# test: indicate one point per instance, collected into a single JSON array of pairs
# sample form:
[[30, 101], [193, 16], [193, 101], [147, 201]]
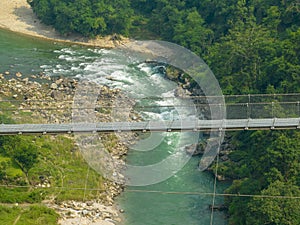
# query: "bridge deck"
[[146, 126]]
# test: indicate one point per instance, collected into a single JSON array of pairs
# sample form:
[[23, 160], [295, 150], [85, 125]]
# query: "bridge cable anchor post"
[[169, 128], [145, 128], [248, 109], [273, 124], [222, 125], [298, 104], [247, 124], [196, 128]]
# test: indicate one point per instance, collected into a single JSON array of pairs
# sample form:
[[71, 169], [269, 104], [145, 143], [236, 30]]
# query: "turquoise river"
[[143, 205]]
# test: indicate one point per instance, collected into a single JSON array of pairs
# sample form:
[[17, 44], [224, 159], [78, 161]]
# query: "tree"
[[275, 210], [164, 19], [119, 20], [26, 156], [191, 32], [21, 151], [266, 163], [242, 57], [238, 207], [86, 17], [44, 10]]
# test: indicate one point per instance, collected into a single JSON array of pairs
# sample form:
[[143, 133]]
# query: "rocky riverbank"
[[41, 99], [187, 89], [86, 213]]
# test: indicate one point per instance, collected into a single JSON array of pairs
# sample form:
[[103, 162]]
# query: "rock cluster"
[[90, 212], [225, 149], [44, 182]]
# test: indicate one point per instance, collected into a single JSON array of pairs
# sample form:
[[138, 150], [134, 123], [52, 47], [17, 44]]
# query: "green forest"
[[252, 46]]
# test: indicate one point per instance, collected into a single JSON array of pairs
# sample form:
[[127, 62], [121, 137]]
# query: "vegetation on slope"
[[42, 167], [87, 17], [34, 214], [43, 161], [265, 163]]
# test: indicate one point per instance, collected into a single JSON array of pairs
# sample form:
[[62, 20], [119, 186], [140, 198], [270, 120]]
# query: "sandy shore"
[[17, 16]]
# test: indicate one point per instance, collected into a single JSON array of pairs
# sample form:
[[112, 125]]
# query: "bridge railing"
[[263, 110], [263, 106], [237, 107], [259, 98]]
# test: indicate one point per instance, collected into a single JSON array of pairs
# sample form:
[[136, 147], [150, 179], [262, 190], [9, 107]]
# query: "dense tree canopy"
[[251, 46], [20, 150], [265, 163], [87, 17]]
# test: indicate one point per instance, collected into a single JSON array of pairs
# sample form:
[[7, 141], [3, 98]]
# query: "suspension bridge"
[[242, 112], [149, 126]]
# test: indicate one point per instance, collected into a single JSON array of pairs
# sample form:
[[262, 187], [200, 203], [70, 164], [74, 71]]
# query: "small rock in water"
[[6, 73], [18, 74]]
